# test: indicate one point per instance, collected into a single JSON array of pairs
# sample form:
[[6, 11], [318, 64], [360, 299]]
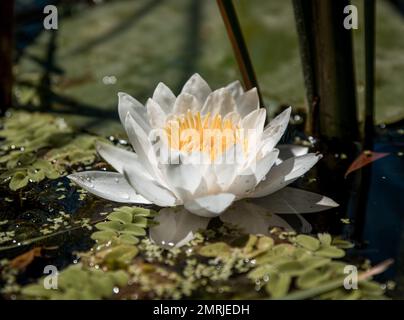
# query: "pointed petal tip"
[[122, 94]]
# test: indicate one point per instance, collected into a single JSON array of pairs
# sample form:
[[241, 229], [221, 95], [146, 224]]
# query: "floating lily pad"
[[308, 242], [278, 285]]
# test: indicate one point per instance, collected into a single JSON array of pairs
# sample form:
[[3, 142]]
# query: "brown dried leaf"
[[364, 159]]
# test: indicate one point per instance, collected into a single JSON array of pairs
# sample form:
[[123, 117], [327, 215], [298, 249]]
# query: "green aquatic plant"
[[124, 225], [76, 282], [244, 266], [38, 146]]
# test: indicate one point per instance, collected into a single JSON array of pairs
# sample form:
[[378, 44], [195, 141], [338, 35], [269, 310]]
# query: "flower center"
[[210, 134]]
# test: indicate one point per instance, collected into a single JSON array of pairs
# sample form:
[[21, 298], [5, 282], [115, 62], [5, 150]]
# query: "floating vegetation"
[[124, 225], [243, 266], [38, 146]]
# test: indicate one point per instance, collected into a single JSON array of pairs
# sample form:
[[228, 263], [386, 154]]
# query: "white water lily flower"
[[201, 179]]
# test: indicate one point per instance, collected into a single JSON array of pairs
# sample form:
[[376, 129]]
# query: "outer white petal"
[[253, 219], [219, 102], [164, 97], [118, 157], [185, 102], [287, 151], [157, 116], [150, 189], [197, 87], [143, 147], [236, 89], [128, 104], [108, 185], [285, 173], [248, 102], [245, 182], [275, 129], [292, 200], [176, 227], [211, 205]]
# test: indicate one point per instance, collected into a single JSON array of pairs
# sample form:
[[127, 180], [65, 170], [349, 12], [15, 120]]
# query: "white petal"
[[285, 173], [108, 185], [176, 227], [248, 102], [144, 149], [150, 189], [186, 102], [246, 181], [128, 104], [142, 145], [118, 157], [236, 89], [225, 166], [287, 151], [253, 219], [197, 87], [275, 129], [211, 205], [184, 176], [255, 120], [292, 200], [253, 125], [164, 97], [234, 117], [219, 102], [157, 116]]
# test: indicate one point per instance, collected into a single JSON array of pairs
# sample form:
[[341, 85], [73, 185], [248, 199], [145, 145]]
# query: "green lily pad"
[[218, 249], [35, 175], [103, 235], [121, 254], [128, 239], [330, 252], [133, 229], [292, 268], [312, 278], [18, 181], [140, 221], [109, 225], [278, 285], [261, 272], [121, 216], [325, 239], [310, 243]]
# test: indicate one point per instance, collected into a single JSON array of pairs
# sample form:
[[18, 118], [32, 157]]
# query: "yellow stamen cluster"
[[211, 134]]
